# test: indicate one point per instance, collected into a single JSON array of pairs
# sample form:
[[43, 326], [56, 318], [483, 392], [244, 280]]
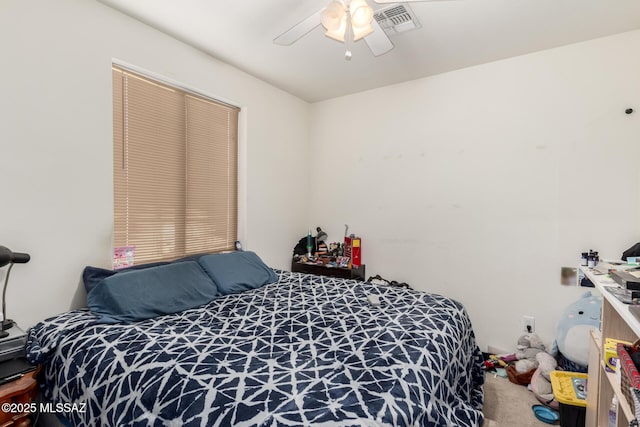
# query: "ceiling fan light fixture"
[[361, 32], [333, 16], [361, 13], [347, 21], [338, 33]]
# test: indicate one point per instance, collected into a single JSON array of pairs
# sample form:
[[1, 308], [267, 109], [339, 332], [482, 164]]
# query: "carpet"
[[507, 404]]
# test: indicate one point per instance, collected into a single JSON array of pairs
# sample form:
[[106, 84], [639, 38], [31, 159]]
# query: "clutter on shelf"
[[589, 259], [315, 250], [633, 252]]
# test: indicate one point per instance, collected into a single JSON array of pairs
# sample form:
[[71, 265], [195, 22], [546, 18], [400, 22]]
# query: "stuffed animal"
[[529, 345], [572, 332], [541, 380]]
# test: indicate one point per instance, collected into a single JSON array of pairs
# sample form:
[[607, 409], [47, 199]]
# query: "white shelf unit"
[[617, 322]]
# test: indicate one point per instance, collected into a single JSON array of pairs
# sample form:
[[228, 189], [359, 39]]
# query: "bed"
[[304, 350]]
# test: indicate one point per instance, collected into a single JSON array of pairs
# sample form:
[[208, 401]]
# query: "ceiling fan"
[[346, 21]]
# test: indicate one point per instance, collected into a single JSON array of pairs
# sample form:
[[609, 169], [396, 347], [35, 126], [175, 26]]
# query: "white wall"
[[481, 183], [478, 183], [56, 143]]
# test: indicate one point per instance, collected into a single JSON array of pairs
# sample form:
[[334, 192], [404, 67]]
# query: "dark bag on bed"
[[631, 252]]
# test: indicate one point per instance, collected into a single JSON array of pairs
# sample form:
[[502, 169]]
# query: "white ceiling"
[[454, 34]]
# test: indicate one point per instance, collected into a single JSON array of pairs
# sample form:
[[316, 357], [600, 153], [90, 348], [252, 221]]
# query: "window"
[[175, 169]]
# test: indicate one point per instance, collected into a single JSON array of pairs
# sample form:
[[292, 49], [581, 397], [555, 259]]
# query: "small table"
[[323, 270]]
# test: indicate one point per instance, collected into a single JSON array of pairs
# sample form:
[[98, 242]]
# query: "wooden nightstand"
[[19, 393], [322, 270]]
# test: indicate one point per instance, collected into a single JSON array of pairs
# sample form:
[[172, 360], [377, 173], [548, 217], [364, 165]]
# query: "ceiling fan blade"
[[378, 41], [297, 31]]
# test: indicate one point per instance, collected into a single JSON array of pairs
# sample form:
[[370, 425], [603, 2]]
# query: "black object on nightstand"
[[14, 369], [323, 270]]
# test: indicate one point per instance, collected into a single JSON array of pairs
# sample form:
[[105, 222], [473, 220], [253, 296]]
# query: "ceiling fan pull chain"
[[348, 33]]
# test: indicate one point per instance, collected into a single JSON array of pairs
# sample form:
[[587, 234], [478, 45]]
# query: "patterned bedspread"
[[307, 350]]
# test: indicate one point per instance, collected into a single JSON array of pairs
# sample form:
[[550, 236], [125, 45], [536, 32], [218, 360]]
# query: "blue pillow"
[[92, 276], [143, 294], [236, 272]]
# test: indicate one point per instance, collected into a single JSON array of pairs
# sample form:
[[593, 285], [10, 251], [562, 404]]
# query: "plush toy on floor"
[[529, 345], [572, 332], [541, 380]]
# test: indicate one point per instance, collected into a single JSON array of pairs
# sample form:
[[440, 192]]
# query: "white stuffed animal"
[[529, 345]]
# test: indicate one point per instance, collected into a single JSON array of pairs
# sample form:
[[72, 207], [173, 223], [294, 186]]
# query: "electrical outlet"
[[528, 324]]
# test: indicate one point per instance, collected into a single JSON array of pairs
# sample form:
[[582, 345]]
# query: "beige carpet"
[[508, 405]]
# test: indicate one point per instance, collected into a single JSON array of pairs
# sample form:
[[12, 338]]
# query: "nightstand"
[[323, 270], [19, 392]]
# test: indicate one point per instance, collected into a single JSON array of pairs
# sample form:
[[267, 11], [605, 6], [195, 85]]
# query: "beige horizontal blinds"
[[211, 187], [175, 170]]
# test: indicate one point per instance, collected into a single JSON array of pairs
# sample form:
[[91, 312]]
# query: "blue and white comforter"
[[307, 350]]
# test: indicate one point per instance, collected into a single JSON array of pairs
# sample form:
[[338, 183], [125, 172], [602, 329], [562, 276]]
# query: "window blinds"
[[175, 170]]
